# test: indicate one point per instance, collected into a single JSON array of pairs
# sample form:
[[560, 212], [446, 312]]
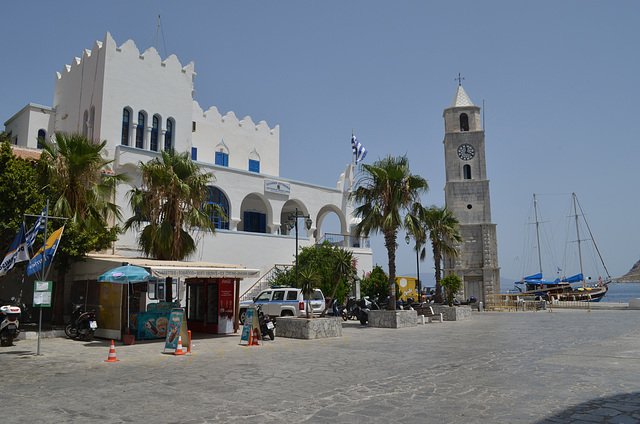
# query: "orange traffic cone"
[[253, 338], [179, 349], [112, 354]]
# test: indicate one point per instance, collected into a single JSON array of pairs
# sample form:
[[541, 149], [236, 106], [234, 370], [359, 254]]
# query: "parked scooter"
[[267, 324], [351, 310], [365, 305], [83, 324], [9, 323]]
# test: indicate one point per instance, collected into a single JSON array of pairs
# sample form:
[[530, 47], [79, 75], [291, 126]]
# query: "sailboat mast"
[[575, 210], [535, 208]]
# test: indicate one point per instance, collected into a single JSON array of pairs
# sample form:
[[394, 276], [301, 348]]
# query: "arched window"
[[85, 123], [466, 171], [222, 154], [254, 161], [154, 133], [168, 136], [126, 117], [42, 135], [464, 122], [140, 131], [217, 197]]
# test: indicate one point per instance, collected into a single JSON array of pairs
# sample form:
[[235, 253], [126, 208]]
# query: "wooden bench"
[[427, 312]]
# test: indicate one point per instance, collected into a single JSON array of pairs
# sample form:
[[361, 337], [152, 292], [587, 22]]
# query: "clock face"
[[466, 152]]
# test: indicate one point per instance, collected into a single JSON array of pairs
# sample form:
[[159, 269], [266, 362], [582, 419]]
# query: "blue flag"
[[17, 252], [46, 253], [359, 152]]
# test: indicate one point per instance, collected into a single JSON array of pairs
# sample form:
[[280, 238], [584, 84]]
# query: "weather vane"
[[459, 79]]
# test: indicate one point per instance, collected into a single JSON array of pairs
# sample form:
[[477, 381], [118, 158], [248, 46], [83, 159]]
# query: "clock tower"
[[467, 196]]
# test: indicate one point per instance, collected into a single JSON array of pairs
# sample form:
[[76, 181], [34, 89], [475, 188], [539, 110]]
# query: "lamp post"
[[292, 222], [418, 285]]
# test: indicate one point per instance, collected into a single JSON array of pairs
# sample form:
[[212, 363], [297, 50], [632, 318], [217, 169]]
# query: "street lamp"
[[292, 222], [418, 285]]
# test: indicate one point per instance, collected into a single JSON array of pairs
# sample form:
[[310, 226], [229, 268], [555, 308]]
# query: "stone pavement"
[[564, 366]]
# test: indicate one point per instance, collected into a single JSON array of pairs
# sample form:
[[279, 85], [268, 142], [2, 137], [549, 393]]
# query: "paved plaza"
[[564, 366]]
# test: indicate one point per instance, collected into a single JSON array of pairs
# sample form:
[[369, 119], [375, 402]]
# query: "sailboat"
[[573, 288]]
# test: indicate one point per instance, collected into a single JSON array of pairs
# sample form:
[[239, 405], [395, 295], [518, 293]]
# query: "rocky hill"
[[633, 276]]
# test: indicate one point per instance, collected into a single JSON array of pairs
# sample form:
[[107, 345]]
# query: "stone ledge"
[[453, 313], [309, 328], [393, 319]]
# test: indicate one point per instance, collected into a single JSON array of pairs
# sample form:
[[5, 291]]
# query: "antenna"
[[158, 32]]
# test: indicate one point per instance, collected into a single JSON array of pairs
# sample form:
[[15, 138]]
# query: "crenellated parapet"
[[212, 117], [129, 49]]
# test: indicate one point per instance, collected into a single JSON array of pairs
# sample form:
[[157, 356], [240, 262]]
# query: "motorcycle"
[[83, 324], [351, 310], [365, 305], [267, 324], [9, 323]]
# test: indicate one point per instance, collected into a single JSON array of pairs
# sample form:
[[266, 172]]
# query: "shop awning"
[[97, 264]]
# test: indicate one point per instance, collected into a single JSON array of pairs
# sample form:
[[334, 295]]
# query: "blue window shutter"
[[247, 221], [263, 223], [222, 159], [254, 165], [194, 153]]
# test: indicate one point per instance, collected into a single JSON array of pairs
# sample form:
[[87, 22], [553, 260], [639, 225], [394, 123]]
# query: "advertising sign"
[[225, 306], [177, 326], [250, 322]]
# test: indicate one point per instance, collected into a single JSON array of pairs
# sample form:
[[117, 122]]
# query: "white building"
[[142, 104]]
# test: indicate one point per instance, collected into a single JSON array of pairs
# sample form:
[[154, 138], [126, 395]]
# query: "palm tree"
[[308, 281], [442, 226], [342, 267], [385, 190], [79, 178], [170, 202], [76, 169]]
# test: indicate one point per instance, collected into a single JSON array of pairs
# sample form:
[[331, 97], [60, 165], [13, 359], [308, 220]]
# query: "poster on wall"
[[177, 327], [225, 306]]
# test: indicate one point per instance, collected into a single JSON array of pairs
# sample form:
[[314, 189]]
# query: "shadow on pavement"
[[623, 408]]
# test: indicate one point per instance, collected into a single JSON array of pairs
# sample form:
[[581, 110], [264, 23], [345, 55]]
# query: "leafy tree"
[[322, 260], [341, 268], [376, 285], [385, 190], [451, 284], [19, 192], [171, 202]]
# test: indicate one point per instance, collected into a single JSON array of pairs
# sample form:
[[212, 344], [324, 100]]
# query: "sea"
[[622, 292]]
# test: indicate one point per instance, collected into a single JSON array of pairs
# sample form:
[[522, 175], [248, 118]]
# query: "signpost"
[[41, 298]]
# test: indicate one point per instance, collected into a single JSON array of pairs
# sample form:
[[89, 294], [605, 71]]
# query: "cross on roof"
[[460, 79]]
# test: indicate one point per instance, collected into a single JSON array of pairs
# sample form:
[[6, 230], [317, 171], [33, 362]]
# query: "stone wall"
[[309, 328], [393, 319]]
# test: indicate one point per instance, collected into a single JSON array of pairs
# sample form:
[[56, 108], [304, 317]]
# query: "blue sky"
[[557, 79]]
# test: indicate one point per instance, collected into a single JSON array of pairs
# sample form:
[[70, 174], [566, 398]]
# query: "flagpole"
[[46, 218]]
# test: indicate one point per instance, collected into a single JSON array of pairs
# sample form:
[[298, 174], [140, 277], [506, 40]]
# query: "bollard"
[[189, 345]]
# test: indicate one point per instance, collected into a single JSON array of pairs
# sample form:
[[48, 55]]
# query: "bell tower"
[[467, 196]]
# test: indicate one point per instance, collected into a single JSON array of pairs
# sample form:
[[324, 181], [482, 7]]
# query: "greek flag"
[[38, 226], [17, 253], [359, 152]]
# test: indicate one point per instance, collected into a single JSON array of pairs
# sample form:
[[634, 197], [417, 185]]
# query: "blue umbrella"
[[125, 275]]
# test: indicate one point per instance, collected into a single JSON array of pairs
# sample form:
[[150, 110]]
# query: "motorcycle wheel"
[[344, 316], [6, 338], [71, 332], [89, 336], [271, 335], [363, 319]]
